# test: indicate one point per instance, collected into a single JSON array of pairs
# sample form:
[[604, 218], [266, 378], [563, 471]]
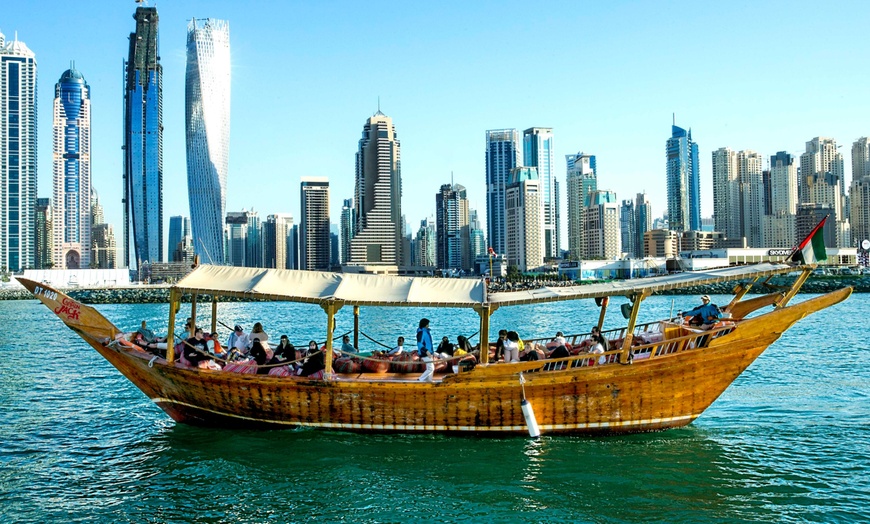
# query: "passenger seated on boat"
[[445, 348], [346, 346], [238, 341], [195, 349], [589, 342], [257, 333], [499, 346], [214, 345], [512, 347], [148, 336], [316, 363], [399, 349], [704, 315], [558, 340], [598, 347], [285, 351], [463, 344], [261, 357]]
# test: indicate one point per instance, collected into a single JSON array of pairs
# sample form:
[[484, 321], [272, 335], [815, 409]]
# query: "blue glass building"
[[207, 133], [71, 227], [684, 183], [502, 155], [143, 142]]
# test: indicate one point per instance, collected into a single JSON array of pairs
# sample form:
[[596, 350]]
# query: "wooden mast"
[[330, 308], [213, 313], [799, 281], [192, 315], [356, 327], [485, 311], [604, 302]]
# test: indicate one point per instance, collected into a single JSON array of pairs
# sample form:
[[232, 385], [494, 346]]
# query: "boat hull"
[[659, 392]]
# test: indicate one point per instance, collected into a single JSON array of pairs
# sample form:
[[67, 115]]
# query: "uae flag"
[[812, 249]]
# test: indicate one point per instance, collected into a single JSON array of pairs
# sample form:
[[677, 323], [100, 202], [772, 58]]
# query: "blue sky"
[[606, 76]]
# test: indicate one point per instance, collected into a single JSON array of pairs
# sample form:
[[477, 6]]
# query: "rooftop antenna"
[[451, 179], [674, 117]]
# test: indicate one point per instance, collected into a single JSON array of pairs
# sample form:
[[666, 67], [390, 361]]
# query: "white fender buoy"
[[529, 415]]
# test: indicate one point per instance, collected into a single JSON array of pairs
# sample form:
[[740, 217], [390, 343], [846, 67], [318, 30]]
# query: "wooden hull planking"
[[663, 391]]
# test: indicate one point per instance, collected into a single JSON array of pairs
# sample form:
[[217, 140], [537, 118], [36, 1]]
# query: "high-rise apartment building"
[[346, 228], [683, 181], [254, 241], [538, 153], [779, 224], [71, 167], [727, 215], [643, 222], [103, 249], [143, 142], [276, 229], [860, 203], [628, 226], [752, 196], [523, 219], [861, 158], [314, 248], [502, 155], [44, 242], [821, 158], [582, 179], [236, 238], [17, 155], [477, 238], [207, 130], [377, 237], [179, 229], [424, 244], [603, 233], [453, 245]]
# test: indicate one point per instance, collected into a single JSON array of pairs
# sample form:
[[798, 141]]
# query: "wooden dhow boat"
[[656, 375]]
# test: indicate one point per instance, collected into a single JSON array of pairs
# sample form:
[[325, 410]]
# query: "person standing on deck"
[[426, 349]]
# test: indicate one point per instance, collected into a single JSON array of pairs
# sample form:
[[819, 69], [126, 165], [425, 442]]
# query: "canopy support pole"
[[213, 313], [356, 327], [192, 315], [805, 274], [330, 308], [485, 311], [174, 299], [632, 320], [604, 303]]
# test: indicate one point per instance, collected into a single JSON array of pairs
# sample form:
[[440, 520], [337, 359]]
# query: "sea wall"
[[160, 294]]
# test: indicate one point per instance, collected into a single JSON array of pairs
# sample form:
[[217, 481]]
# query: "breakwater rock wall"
[[160, 294]]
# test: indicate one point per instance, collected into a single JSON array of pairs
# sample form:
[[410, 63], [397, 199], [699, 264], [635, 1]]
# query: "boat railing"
[[610, 334], [666, 339]]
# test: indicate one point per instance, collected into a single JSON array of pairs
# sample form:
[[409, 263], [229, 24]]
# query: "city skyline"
[[624, 120]]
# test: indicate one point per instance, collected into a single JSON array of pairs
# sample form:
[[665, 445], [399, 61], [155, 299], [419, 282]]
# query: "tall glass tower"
[[17, 155], [71, 229], [538, 153], [207, 128], [143, 142], [684, 182], [377, 238], [502, 155]]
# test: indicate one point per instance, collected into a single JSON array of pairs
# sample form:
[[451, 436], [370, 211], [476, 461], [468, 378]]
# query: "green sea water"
[[789, 441]]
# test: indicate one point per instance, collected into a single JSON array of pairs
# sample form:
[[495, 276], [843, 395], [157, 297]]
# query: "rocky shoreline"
[[160, 294]]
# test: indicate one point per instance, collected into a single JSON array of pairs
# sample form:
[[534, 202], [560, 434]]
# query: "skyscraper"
[[377, 237], [275, 232], [103, 250], [207, 128], [582, 180], [346, 228], [643, 222], [752, 196], [859, 192], [179, 229], [727, 217], [314, 248], [44, 244], [424, 243], [780, 226], [477, 238], [71, 159], [502, 155], [143, 142], [451, 226], [524, 242], [683, 181], [538, 153], [821, 158], [628, 226], [601, 220], [236, 238], [17, 155], [861, 158]]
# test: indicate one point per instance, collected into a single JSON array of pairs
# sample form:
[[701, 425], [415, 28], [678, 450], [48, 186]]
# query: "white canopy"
[[382, 290], [320, 286]]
